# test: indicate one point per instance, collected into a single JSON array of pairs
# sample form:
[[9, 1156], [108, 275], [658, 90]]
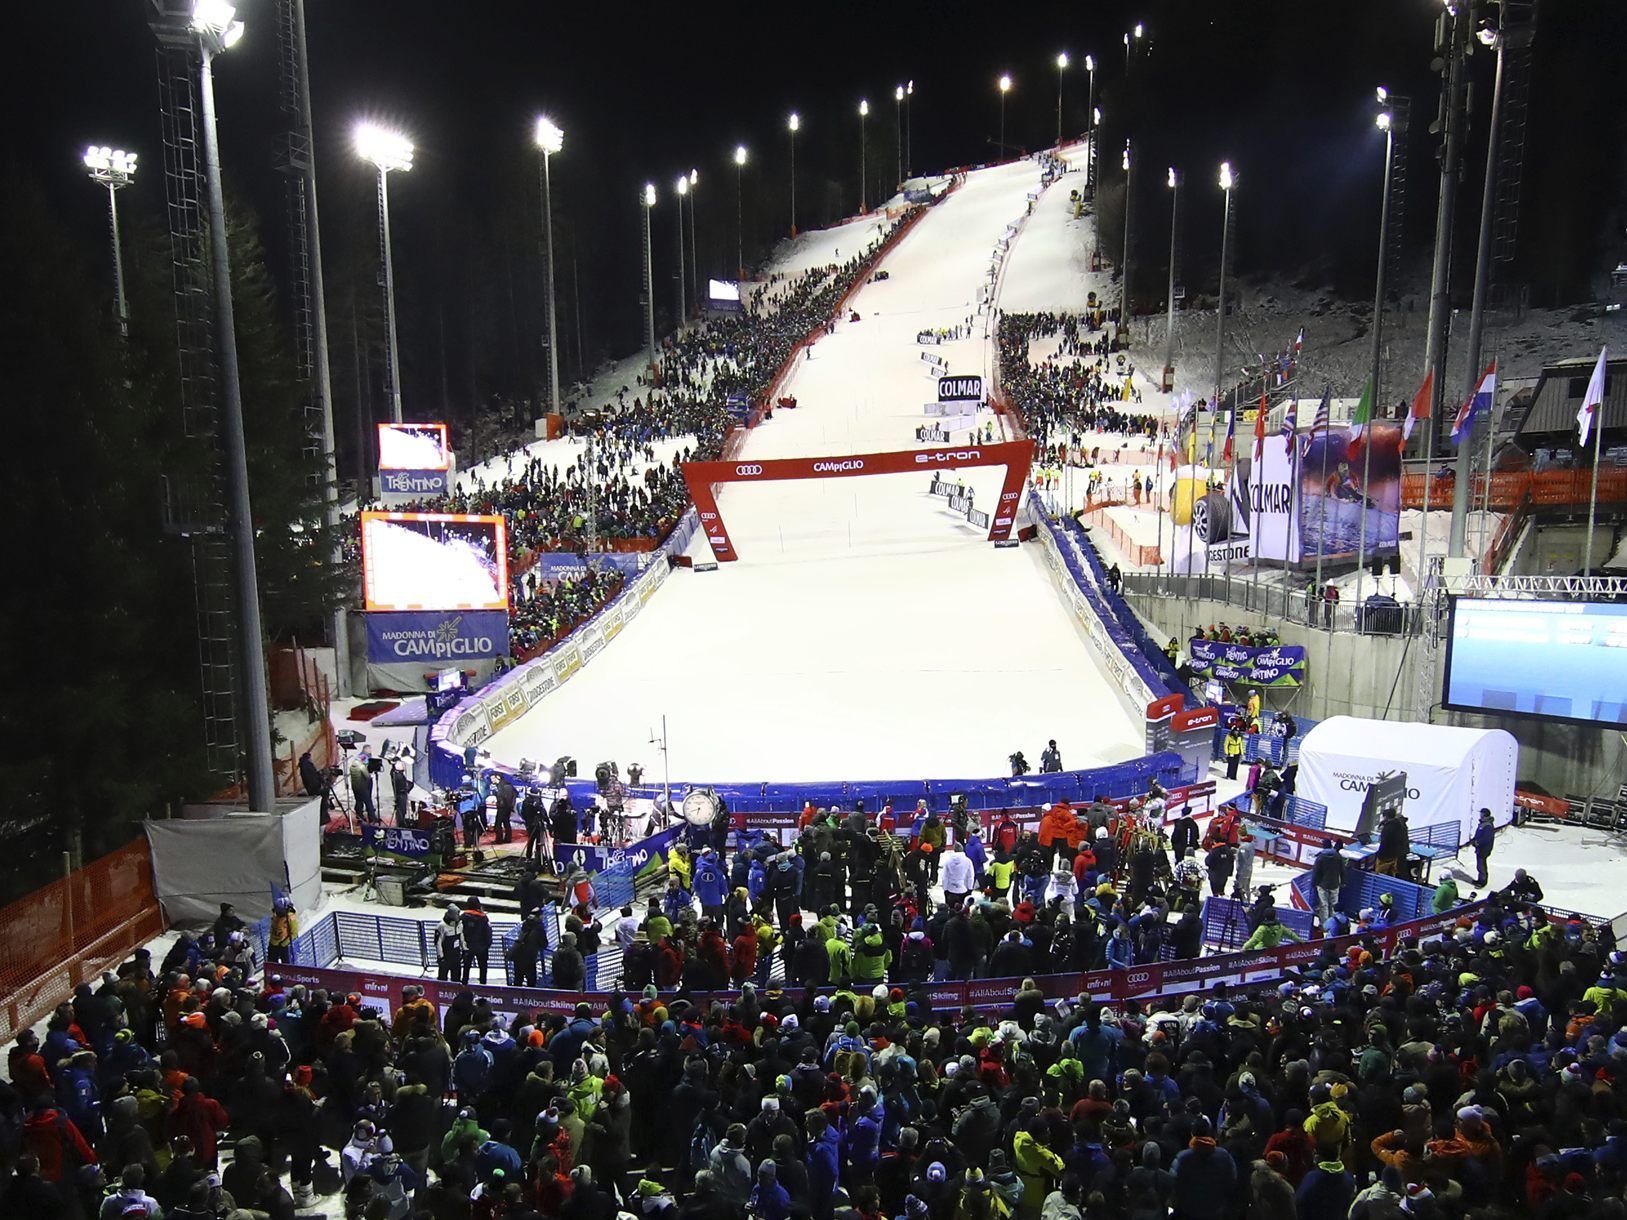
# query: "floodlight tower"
[[115, 169], [550, 139], [388, 151]]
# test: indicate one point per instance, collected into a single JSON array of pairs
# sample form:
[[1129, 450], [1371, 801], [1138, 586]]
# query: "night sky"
[[645, 92]]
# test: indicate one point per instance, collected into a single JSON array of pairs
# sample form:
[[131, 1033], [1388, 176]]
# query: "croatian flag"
[[1587, 415], [1480, 403]]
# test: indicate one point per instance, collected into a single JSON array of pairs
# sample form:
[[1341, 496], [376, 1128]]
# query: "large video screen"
[[413, 447], [723, 291], [434, 561], [1525, 657]]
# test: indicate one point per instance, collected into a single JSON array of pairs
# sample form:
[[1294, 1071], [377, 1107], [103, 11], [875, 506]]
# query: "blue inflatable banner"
[[402, 841], [563, 565], [1278, 665], [436, 636]]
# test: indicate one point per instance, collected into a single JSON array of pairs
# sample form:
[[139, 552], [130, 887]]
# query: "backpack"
[[701, 1142], [916, 958]]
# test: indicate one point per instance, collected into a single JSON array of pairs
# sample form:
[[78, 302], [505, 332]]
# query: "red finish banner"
[[703, 477]]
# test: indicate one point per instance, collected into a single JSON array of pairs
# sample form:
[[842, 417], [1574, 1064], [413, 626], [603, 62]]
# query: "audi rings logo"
[[708, 516], [745, 472], [1137, 977]]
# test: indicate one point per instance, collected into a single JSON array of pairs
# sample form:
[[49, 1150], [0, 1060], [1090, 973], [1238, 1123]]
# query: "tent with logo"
[[1452, 773]]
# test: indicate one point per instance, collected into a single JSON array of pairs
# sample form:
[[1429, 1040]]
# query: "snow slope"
[[866, 632]]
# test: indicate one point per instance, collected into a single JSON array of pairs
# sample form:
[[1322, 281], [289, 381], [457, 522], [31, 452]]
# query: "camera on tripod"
[[564, 768]]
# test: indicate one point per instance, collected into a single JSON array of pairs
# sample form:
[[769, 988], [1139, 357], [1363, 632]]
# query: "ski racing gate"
[[703, 477]]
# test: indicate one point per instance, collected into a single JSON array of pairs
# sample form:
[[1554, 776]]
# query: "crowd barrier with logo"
[[1147, 984]]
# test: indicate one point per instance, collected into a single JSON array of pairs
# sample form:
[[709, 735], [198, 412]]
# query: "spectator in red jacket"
[[200, 1118], [51, 1136]]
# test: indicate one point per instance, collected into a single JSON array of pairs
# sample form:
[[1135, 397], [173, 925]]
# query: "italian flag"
[[1364, 410]]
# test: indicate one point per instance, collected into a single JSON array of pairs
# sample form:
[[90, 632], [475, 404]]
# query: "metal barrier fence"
[[1272, 600]]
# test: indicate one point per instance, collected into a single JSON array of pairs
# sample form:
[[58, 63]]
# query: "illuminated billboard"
[[434, 561], [414, 460]]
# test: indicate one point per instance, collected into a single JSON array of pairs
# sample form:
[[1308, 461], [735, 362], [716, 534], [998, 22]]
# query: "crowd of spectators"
[[707, 379], [1475, 1073], [548, 611]]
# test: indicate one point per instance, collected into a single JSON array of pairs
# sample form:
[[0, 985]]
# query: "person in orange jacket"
[[1059, 830]]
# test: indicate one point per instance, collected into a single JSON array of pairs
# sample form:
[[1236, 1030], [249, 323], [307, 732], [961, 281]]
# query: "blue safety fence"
[[306, 949], [1363, 890], [400, 941], [1130, 778], [1299, 810], [1277, 751], [1151, 652], [1225, 923], [1444, 837]]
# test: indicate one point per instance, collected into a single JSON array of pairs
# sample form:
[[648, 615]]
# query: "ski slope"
[[866, 632]]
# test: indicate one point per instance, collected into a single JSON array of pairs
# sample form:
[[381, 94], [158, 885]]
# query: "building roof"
[[1559, 396]]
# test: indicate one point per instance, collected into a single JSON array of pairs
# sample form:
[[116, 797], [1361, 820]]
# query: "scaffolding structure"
[[194, 505]]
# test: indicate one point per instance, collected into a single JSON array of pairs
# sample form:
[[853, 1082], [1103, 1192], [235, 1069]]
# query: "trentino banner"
[[436, 635]]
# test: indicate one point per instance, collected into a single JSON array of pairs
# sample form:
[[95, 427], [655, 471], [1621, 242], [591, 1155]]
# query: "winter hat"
[[1277, 1160], [935, 1172], [915, 1208]]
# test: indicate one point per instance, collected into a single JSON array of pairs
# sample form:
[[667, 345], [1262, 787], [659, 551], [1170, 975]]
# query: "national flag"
[[1259, 429], [1290, 418], [1364, 410], [1299, 340], [1586, 415], [1481, 401], [1320, 423], [1421, 402], [1231, 431]]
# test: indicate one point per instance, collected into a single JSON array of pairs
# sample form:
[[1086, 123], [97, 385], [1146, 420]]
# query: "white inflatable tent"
[[1452, 773]]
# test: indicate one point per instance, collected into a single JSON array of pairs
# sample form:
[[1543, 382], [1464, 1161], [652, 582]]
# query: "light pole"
[[1124, 265], [909, 123], [898, 129], [550, 139], [682, 187], [739, 208], [1130, 39], [115, 169], [793, 124], [1227, 181], [1385, 122], [1169, 339], [694, 263], [215, 23], [864, 113], [1005, 88], [1061, 67], [648, 200], [1090, 124], [387, 150]]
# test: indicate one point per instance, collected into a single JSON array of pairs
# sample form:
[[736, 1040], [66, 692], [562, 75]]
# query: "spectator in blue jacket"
[[711, 886], [1120, 952], [1327, 1190], [1206, 1177], [824, 1163]]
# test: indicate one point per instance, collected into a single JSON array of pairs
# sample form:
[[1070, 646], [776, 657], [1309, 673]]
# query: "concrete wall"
[[1559, 550], [1354, 675]]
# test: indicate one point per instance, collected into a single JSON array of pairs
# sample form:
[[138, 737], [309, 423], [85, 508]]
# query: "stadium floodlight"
[[388, 150], [1227, 178], [1174, 181], [648, 200], [1005, 88], [1061, 67], [898, 133], [909, 92], [793, 125], [1382, 120], [1138, 29], [864, 113], [550, 139], [215, 22], [682, 189], [1382, 94], [1227, 181], [898, 93], [740, 210], [115, 169]]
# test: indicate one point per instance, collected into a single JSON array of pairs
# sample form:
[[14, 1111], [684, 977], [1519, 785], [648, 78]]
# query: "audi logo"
[[747, 471], [1136, 977]]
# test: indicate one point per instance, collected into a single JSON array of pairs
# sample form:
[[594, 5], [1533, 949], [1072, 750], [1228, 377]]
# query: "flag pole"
[[1593, 491], [1423, 521], [1371, 389], [1322, 524], [1485, 490]]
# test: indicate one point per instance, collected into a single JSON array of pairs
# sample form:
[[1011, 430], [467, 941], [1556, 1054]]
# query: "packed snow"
[[866, 632]]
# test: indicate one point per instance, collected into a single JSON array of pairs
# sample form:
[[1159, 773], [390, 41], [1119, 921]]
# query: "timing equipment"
[[700, 806]]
